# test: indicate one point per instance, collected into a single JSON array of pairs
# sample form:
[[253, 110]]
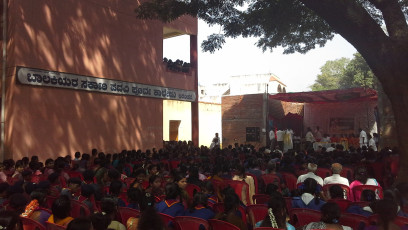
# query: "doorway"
[[174, 130]]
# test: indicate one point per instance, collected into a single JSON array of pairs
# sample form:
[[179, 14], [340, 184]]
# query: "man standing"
[[279, 138], [363, 138], [309, 138], [215, 142], [272, 138]]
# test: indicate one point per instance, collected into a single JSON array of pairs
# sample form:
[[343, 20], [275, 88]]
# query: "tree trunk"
[[386, 126]]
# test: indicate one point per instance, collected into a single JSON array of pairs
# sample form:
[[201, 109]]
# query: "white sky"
[[240, 56]]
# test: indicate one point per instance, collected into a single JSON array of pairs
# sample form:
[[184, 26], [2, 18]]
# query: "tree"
[[332, 73], [300, 25], [344, 73]]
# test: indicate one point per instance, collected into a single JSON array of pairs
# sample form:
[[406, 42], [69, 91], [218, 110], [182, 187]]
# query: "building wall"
[[177, 111], [239, 112], [210, 122], [320, 114], [98, 38]]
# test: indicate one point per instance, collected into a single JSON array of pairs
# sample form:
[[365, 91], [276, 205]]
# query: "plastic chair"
[[270, 179], [52, 226], [221, 225], [357, 190], [347, 173], [167, 220], [302, 216], [290, 179], [125, 213], [268, 228], [79, 209], [189, 222], [30, 224], [401, 221], [288, 201], [50, 200], [72, 174], [191, 188], [323, 172], [256, 212], [354, 221], [260, 198], [343, 204], [346, 190], [240, 186], [174, 164]]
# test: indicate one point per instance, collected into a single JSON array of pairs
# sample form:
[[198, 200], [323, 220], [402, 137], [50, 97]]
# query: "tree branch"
[[394, 18]]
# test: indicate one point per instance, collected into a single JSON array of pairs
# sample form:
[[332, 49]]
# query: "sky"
[[241, 56]]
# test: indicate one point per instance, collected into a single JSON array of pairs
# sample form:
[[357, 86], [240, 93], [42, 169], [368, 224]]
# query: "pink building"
[[83, 74]]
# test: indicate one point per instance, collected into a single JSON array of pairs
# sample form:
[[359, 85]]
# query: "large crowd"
[[154, 187]]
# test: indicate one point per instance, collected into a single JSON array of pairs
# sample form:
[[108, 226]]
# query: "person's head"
[[87, 190], [240, 170], [311, 167], [276, 212], [336, 192], [140, 175], [216, 134], [113, 174], [115, 188], [150, 220], [199, 200], [152, 169], [61, 207], [207, 187], [74, 183], [109, 206], [134, 195], [155, 181], [26, 174], [231, 202], [88, 175], [100, 221], [53, 178], [81, 223], [20, 166], [367, 195], [49, 163], [172, 191], [17, 202], [336, 168], [309, 186], [330, 213], [271, 167], [10, 220], [40, 195], [180, 179], [361, 174], [271, 188], [77, 155]]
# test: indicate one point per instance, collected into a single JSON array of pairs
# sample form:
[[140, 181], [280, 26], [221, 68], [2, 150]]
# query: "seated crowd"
[[240, 185]]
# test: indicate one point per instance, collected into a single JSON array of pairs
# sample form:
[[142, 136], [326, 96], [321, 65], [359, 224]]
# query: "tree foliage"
[[344, 73]]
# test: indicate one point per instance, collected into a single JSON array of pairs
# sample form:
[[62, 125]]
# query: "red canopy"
[[328, 96]]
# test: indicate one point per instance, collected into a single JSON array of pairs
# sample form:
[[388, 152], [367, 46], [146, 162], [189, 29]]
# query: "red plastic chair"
[[401, 221], [346, 190], [260, 198], [256, 212], [128, 181], [357, 190], [191, 188], [288, 201], [50, 200], [79, 209], [52, 226], [291, 180], [72, 174], [239, 186], [189, 222], [354, 221], [30, 224], [219, 207], [347, 173], [323, 172], [268, 228], [125, 213], [302, 216], [270, 179], [167, 220], [174, 164], [343, 204], [221, 225]]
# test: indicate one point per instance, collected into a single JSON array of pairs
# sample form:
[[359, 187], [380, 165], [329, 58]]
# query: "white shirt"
[[363, 137], [303, 177], [279, 135], [271, 135], [371, 143], [309, 136], [336, 179]]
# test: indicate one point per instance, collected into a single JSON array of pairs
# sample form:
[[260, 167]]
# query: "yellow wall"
[[177, 110], [209, 122]]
